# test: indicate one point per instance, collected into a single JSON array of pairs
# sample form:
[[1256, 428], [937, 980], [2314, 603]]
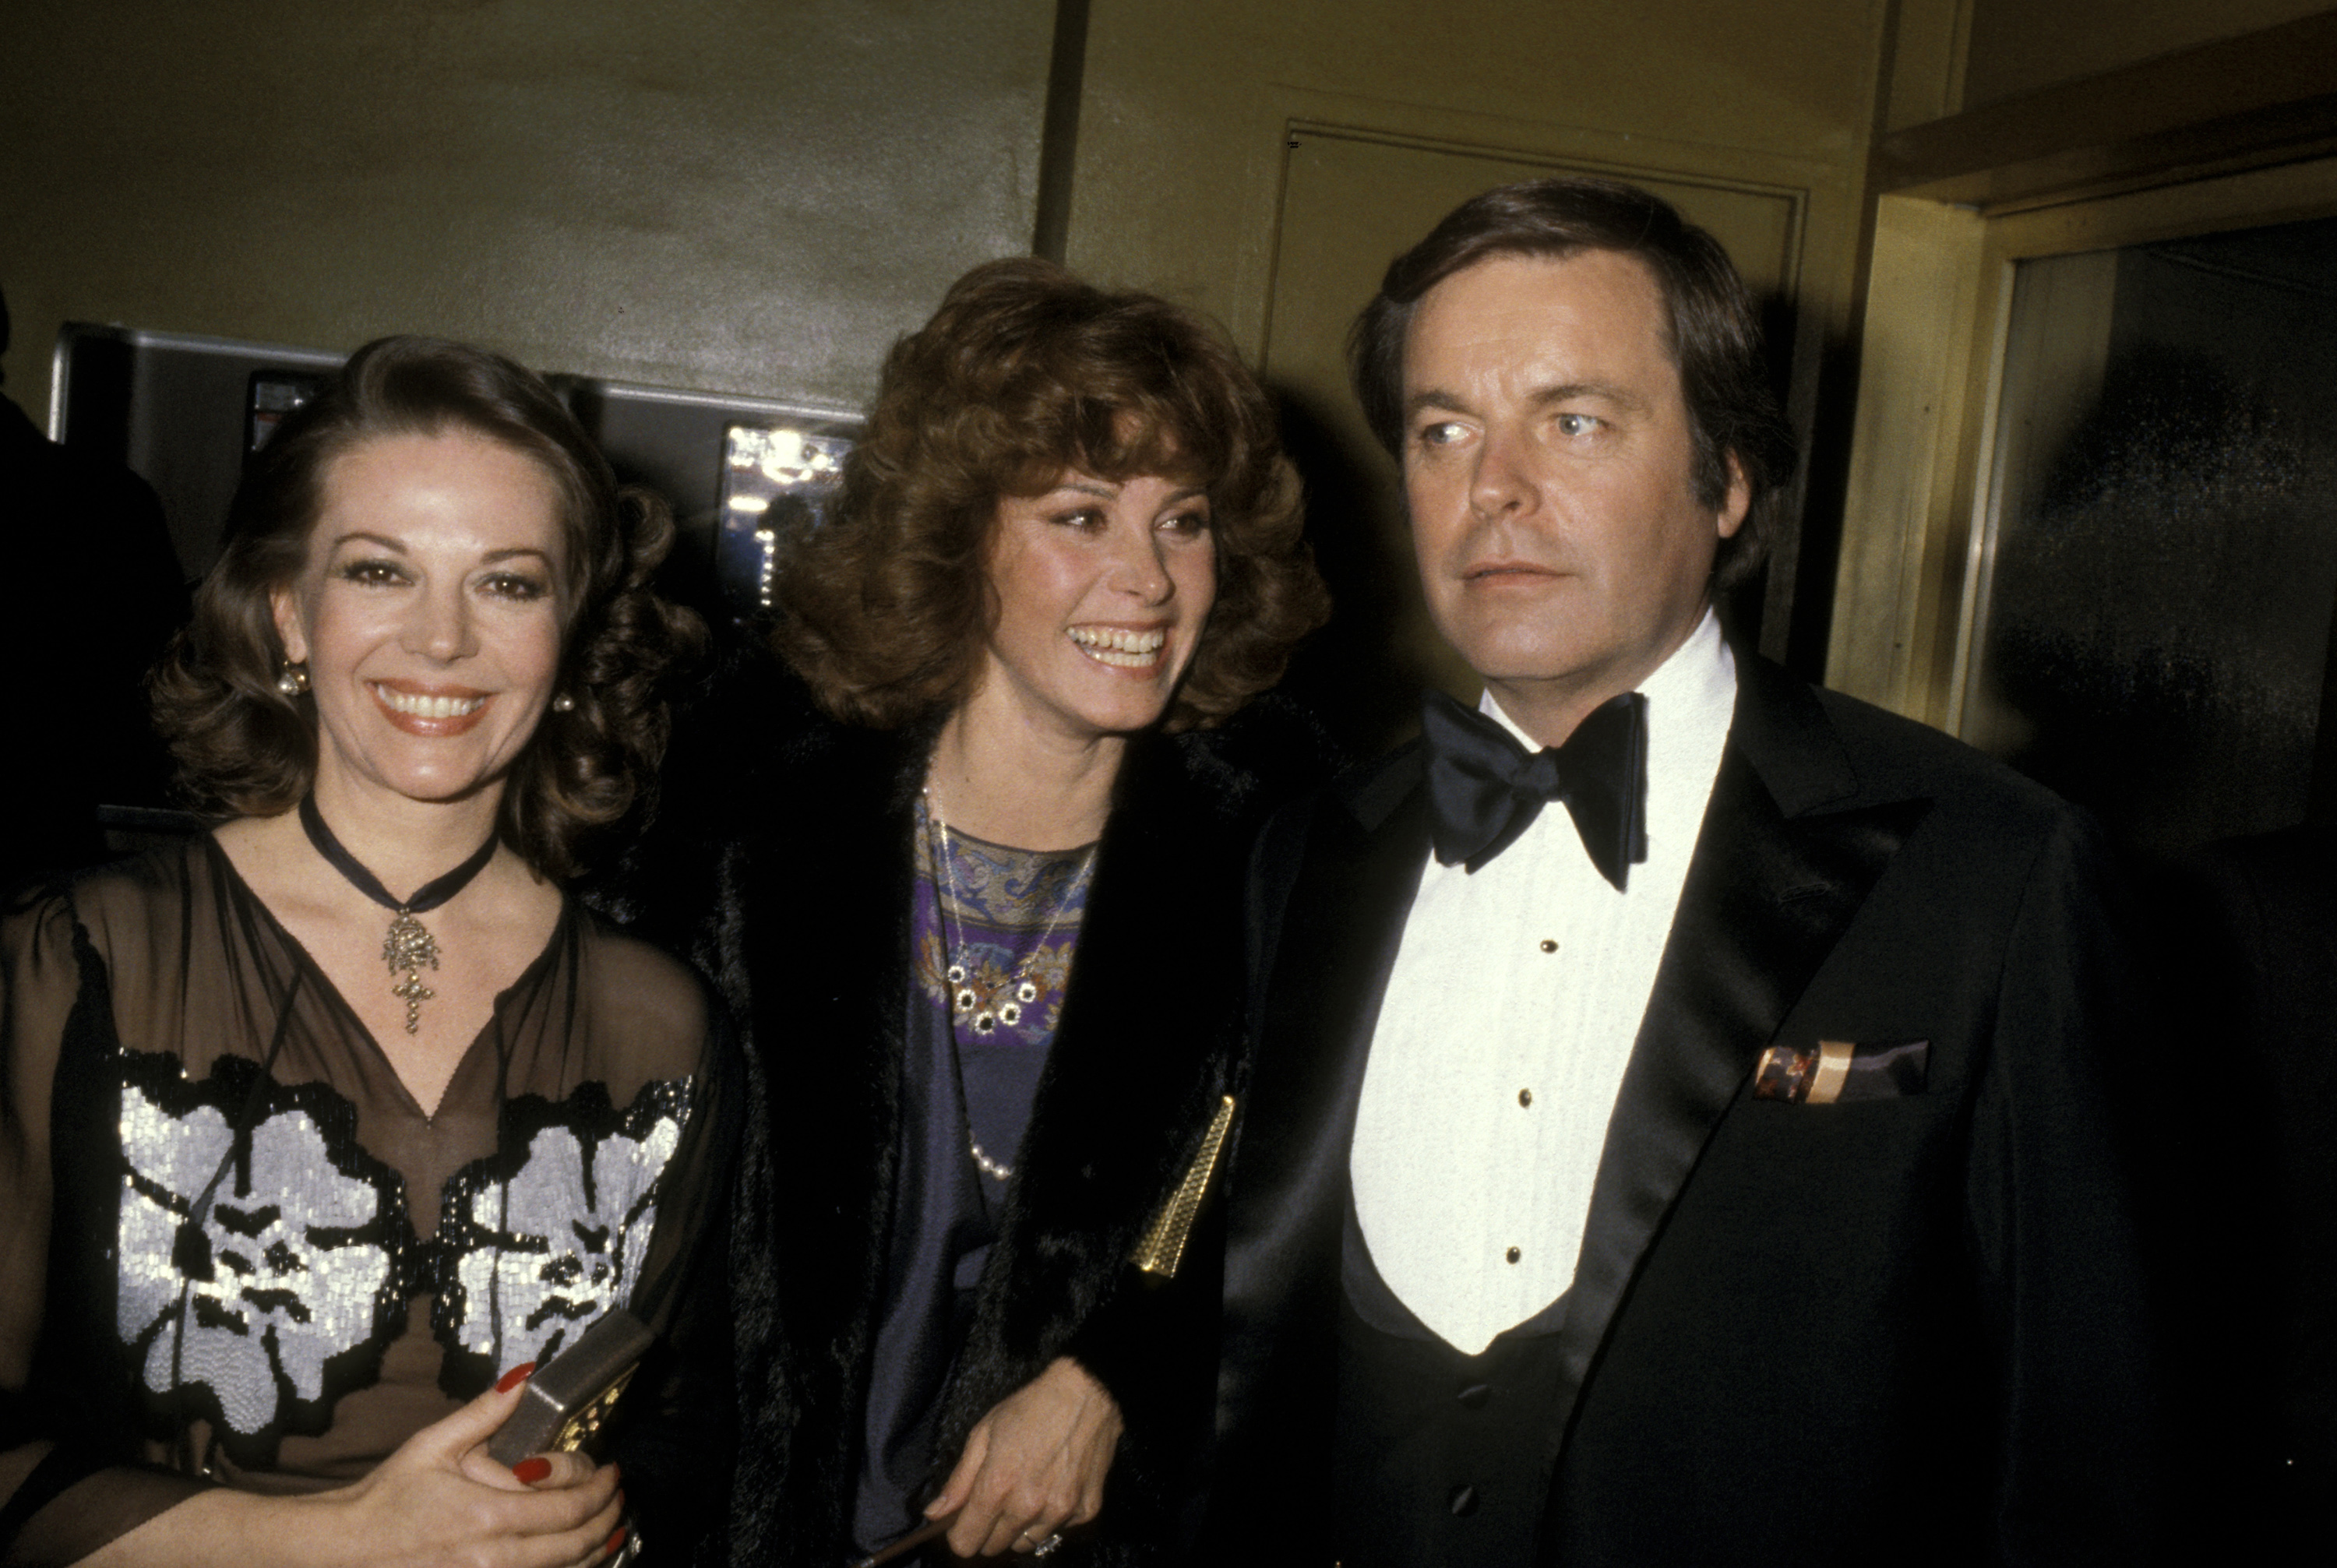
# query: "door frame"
[[1919, 519]]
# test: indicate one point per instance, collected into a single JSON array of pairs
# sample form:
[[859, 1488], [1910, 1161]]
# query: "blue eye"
[[1442, 432], [1577, 424]]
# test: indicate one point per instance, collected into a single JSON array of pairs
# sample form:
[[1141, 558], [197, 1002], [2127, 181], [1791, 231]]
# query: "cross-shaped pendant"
[[416, 994], [410, 946]]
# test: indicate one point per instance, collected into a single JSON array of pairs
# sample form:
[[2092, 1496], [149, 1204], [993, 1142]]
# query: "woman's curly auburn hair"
[[1023, 374], [244, 745]]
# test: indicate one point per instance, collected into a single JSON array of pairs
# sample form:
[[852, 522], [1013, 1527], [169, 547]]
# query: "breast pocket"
[[1842, 1072]]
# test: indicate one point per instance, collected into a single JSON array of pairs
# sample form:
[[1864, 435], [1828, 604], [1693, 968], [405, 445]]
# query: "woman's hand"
[[1033, 1466], [437, 1501], [441, 1499]]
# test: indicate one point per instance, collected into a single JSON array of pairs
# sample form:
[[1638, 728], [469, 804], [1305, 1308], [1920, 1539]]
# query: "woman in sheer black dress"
[[296, 1180]]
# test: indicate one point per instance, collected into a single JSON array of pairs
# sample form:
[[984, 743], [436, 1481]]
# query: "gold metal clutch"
[[1163, 1247]]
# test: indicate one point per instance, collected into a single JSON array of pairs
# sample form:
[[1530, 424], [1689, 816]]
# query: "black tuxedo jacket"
[[1904, 1329], [2253, 935]]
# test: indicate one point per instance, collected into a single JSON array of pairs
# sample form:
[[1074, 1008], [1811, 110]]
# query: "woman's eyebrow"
[[383, 540]]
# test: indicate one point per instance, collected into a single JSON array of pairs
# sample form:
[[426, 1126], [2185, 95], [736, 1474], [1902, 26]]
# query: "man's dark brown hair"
[[1714, 332]]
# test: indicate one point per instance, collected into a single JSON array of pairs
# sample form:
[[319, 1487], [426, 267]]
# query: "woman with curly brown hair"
[[987, 936], [318, 1131]]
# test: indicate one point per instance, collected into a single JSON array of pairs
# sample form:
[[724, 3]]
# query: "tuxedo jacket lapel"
[[1788, 851]]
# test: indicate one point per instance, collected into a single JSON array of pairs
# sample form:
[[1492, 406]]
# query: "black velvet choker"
[[409, 945]]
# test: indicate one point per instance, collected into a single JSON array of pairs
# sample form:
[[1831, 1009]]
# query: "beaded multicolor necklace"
[[1005, 1001]]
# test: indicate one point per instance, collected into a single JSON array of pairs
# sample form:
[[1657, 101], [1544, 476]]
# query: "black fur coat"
[[783, 865]]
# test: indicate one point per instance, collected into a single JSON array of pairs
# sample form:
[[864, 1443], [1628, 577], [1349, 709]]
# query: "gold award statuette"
[[1163, 1247]]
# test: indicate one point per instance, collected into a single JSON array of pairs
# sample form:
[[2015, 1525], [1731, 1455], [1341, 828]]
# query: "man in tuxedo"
[[1677, 1127]]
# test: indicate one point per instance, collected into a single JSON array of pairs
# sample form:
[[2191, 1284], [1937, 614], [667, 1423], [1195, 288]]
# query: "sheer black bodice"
[[232, 1247]]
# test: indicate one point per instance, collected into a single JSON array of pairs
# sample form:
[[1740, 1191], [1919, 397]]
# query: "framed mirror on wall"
[[183, 411]]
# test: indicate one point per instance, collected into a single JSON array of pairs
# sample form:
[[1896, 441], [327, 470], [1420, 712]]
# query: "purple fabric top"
[[1006, 921]]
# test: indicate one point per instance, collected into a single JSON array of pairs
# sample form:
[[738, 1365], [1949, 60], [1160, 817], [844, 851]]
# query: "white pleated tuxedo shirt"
[[1507, 1021]]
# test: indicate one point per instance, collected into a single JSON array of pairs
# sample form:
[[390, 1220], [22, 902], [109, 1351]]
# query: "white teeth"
[[422, 707], [1118, 646]]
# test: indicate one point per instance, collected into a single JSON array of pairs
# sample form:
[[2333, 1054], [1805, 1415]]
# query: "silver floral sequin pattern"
[[255, 1309], [282, 1287], [541, 1248]]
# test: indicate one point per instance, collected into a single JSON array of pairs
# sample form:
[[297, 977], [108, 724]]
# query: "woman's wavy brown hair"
[[1023, 373], [243, 746]]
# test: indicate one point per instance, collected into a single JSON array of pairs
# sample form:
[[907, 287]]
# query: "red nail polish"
[[616, 1539], [515, 1378], [528, 1472]]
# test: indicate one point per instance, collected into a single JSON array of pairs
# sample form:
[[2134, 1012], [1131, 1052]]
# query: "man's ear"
[[1737, 502], [284, 606]]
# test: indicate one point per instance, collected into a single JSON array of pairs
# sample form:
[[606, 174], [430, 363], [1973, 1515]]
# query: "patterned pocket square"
[[1837, 1072]]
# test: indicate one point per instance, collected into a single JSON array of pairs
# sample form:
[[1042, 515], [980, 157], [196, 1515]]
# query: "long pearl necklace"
[[1005, 1001]]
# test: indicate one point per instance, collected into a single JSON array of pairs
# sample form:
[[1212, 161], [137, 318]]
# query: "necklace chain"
[[966, 1003]]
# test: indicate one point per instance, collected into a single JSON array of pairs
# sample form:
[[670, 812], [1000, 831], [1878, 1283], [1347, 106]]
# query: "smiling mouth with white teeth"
[[426, 707], [1120, 648]]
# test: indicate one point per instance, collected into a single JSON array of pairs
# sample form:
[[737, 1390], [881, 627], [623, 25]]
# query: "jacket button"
[[1463, 1501], [1473, 1396]]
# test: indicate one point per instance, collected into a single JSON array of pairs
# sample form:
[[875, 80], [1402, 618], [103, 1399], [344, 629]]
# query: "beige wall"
[[2020, 46], [742, 195], [1180, 148], [757, 195]]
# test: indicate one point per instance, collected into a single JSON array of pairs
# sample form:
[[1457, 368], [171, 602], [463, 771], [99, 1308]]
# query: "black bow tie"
[[1484, 789]]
